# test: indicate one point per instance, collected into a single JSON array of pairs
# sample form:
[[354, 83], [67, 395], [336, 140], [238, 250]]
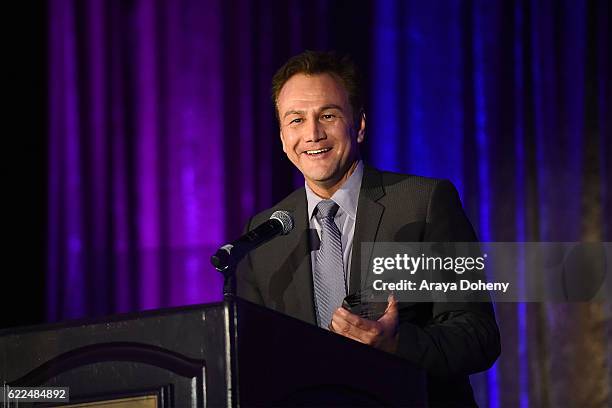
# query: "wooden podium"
[[232, 353]]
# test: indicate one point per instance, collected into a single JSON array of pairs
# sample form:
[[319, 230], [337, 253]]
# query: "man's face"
[[317, 128]]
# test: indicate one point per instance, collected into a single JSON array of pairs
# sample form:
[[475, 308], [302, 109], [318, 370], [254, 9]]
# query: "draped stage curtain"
[[163, 141]]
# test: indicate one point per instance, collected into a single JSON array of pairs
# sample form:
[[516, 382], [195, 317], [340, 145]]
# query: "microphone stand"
[[226, 265], [229, 283]]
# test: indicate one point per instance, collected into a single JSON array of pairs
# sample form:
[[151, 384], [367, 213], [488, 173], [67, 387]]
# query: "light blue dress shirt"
[[347, 198]]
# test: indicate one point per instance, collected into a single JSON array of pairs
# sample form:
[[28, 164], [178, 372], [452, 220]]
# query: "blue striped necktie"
[[329, 285]]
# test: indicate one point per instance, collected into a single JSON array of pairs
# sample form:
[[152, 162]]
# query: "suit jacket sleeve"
[[460, 338]]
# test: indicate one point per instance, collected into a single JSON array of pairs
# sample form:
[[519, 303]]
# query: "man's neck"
[[326, 191]]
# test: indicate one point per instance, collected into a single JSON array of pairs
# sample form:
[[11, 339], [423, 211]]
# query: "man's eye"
[[296, 120], [328, 116]]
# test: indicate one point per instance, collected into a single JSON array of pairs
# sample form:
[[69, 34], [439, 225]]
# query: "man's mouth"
[[318, 151]]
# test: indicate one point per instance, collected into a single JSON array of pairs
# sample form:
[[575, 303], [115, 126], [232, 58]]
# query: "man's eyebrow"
[[292, 112], [332, 106], [325, 107]]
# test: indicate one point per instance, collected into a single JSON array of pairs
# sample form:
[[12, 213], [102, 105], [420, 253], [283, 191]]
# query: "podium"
[[232, 353]]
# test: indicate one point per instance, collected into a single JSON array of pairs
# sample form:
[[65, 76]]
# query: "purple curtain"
[[136, 160], [163, 142]]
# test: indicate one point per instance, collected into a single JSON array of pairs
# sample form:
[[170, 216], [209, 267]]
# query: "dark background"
[[24, 164]]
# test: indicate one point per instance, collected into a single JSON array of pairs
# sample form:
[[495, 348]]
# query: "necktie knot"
[[326, 209]]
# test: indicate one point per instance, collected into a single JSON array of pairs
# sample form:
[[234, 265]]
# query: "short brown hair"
[[320, 62]]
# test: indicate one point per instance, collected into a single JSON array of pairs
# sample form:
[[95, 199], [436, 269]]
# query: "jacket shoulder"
[[412, 194], [415, 186], [409, 180]]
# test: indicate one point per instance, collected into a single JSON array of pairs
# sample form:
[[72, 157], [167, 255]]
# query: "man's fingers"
[[341, 324], [345, 329], [381, 334], [391, 313], [391, 300], [353, 326], [353, 319]]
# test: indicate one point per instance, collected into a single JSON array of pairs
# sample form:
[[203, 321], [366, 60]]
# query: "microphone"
[[280, 223]]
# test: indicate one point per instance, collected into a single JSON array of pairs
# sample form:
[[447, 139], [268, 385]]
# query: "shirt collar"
[[347, 196]]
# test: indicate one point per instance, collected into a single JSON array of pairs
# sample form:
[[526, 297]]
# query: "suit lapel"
[[300, 264], [369, 215]]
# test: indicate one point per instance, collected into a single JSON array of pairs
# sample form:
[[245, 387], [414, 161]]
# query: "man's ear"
[[282, 141], [362, 127]]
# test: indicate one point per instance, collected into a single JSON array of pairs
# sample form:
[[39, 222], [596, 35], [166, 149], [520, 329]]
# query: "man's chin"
[[325, 178], [319, 177], [322, 181]]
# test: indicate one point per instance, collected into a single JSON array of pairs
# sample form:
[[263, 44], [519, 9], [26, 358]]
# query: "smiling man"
[[320, 130], [307, 273]]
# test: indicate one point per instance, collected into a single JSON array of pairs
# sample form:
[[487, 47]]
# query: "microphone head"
[[285, 218]]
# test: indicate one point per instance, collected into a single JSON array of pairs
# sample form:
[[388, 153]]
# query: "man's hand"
[[381, 334]]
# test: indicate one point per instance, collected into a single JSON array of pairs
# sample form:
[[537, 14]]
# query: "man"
[[306, 273]]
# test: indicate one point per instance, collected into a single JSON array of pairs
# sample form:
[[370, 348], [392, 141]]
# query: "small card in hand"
[[361, 303]]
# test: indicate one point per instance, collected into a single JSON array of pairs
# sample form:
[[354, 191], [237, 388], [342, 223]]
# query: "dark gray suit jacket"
[[449, 340]]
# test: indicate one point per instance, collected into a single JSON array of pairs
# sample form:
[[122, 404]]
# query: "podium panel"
[[232, 353]]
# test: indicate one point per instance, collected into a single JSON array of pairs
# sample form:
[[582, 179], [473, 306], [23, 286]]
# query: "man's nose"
[[314, 131]]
